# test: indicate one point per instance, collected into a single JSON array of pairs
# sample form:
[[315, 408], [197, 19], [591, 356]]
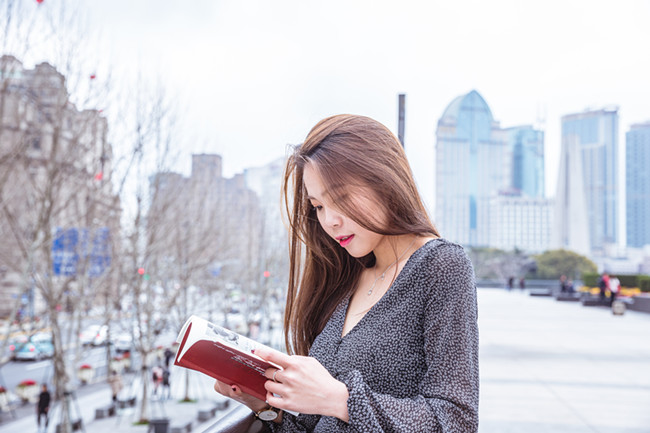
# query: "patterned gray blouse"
[[411, 363]]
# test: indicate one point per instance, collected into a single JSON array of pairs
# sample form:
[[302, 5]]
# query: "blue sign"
[[215, 271], [70, 245]]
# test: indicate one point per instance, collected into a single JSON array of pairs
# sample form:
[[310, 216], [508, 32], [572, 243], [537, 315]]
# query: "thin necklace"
[[383, 275]]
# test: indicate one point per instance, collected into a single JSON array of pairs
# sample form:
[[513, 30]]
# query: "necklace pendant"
[[370, 292]]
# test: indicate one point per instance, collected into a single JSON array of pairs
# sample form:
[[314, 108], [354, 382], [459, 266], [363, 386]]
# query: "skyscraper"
[[587, 196], [473, 161], [527, 147], [637, 161]]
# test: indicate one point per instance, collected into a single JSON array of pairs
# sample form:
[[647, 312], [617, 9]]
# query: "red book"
[[222, 354]]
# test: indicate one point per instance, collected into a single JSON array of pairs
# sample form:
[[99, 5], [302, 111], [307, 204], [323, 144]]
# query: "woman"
[[115, 382], [381, 312]]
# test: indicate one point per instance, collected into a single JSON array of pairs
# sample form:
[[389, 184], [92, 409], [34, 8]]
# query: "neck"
[[393, 250]]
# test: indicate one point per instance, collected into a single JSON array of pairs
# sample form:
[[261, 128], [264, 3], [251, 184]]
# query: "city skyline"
[[255, 76], [512, 165]]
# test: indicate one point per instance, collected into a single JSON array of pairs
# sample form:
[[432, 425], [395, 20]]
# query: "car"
[[94, 335], [15, 343], [123, 343], [38, 346]]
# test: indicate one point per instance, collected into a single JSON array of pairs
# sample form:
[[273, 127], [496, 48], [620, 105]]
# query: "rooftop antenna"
[[400, 119]]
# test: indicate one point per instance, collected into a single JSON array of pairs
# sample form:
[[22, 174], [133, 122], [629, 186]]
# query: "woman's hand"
[[235, 392], [304, 386]]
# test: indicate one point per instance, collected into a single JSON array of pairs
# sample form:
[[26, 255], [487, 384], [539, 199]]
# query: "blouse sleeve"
[[447, 396], [294, 424]]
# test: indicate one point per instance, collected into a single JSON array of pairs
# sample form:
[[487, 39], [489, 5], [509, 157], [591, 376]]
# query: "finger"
[[277, 402], [227, 390], [273, 374], [272, 355], [218, 386], [273, 387]]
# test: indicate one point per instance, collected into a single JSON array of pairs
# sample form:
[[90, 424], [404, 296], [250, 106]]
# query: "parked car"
[[123, 343], [94, 335], [38, 346], [16, 343]]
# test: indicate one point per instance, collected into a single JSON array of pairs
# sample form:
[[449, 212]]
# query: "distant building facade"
[[203, 223], [587, 198], [57, 165], [521, 222], [266, 181], [472, 162], [637, 164], [478, 164], [527, 147]]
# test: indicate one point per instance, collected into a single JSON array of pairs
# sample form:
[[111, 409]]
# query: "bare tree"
[[53, 155], [151, 127], [49, 199]]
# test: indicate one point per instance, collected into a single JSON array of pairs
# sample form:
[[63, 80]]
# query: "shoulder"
[[441, 254], [440, 263]]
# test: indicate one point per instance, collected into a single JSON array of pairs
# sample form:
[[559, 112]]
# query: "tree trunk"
[[144, 407]]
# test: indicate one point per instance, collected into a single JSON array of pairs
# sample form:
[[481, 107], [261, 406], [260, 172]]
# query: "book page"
[[201, 329]]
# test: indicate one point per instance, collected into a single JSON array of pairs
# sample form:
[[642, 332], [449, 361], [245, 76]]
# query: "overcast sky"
[[255, 75]]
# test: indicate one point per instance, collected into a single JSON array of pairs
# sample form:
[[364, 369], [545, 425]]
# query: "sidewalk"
[[549, 366], [200, 389]]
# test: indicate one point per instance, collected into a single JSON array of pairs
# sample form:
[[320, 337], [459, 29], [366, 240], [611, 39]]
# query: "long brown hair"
[[351, 153]]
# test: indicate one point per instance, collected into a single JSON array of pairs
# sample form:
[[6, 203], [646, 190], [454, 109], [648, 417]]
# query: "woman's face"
[[357, 240]]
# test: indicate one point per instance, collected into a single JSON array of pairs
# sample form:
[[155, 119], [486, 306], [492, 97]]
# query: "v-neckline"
[[346, 301]]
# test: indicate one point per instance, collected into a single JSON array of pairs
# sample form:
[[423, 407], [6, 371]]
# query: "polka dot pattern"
[[411, 363]]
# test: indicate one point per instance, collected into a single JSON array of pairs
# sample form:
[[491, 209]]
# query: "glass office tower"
[[473, 162], [588, 180], [637, 165], [527, 147]]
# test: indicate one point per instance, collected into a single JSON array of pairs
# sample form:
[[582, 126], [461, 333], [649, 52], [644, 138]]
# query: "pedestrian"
[[381, 315], [156, 378], [115, 382], [522, 283], [603, 285], [614, 288], [43, 408], [511, 283], [168, 356], [166, 391], [569, 286]]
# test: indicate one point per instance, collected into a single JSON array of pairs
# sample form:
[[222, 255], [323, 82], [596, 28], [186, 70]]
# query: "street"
[[15, 372]]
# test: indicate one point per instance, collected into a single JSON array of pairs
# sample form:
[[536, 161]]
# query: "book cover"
[[222, 354]]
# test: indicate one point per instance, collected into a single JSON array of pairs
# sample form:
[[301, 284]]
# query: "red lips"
[[345, 240]]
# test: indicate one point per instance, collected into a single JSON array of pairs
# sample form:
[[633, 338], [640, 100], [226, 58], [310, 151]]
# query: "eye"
[[317, 207]]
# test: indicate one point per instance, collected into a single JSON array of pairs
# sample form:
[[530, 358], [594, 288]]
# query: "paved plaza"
[[546, 367], [556, 367]]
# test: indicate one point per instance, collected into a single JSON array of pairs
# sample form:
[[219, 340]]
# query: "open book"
[[222, 354]]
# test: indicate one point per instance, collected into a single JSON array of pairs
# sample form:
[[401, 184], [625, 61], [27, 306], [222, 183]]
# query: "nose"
[[332, 218]]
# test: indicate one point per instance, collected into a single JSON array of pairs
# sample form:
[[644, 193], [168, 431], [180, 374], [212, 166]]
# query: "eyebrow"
[[325, 194]]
